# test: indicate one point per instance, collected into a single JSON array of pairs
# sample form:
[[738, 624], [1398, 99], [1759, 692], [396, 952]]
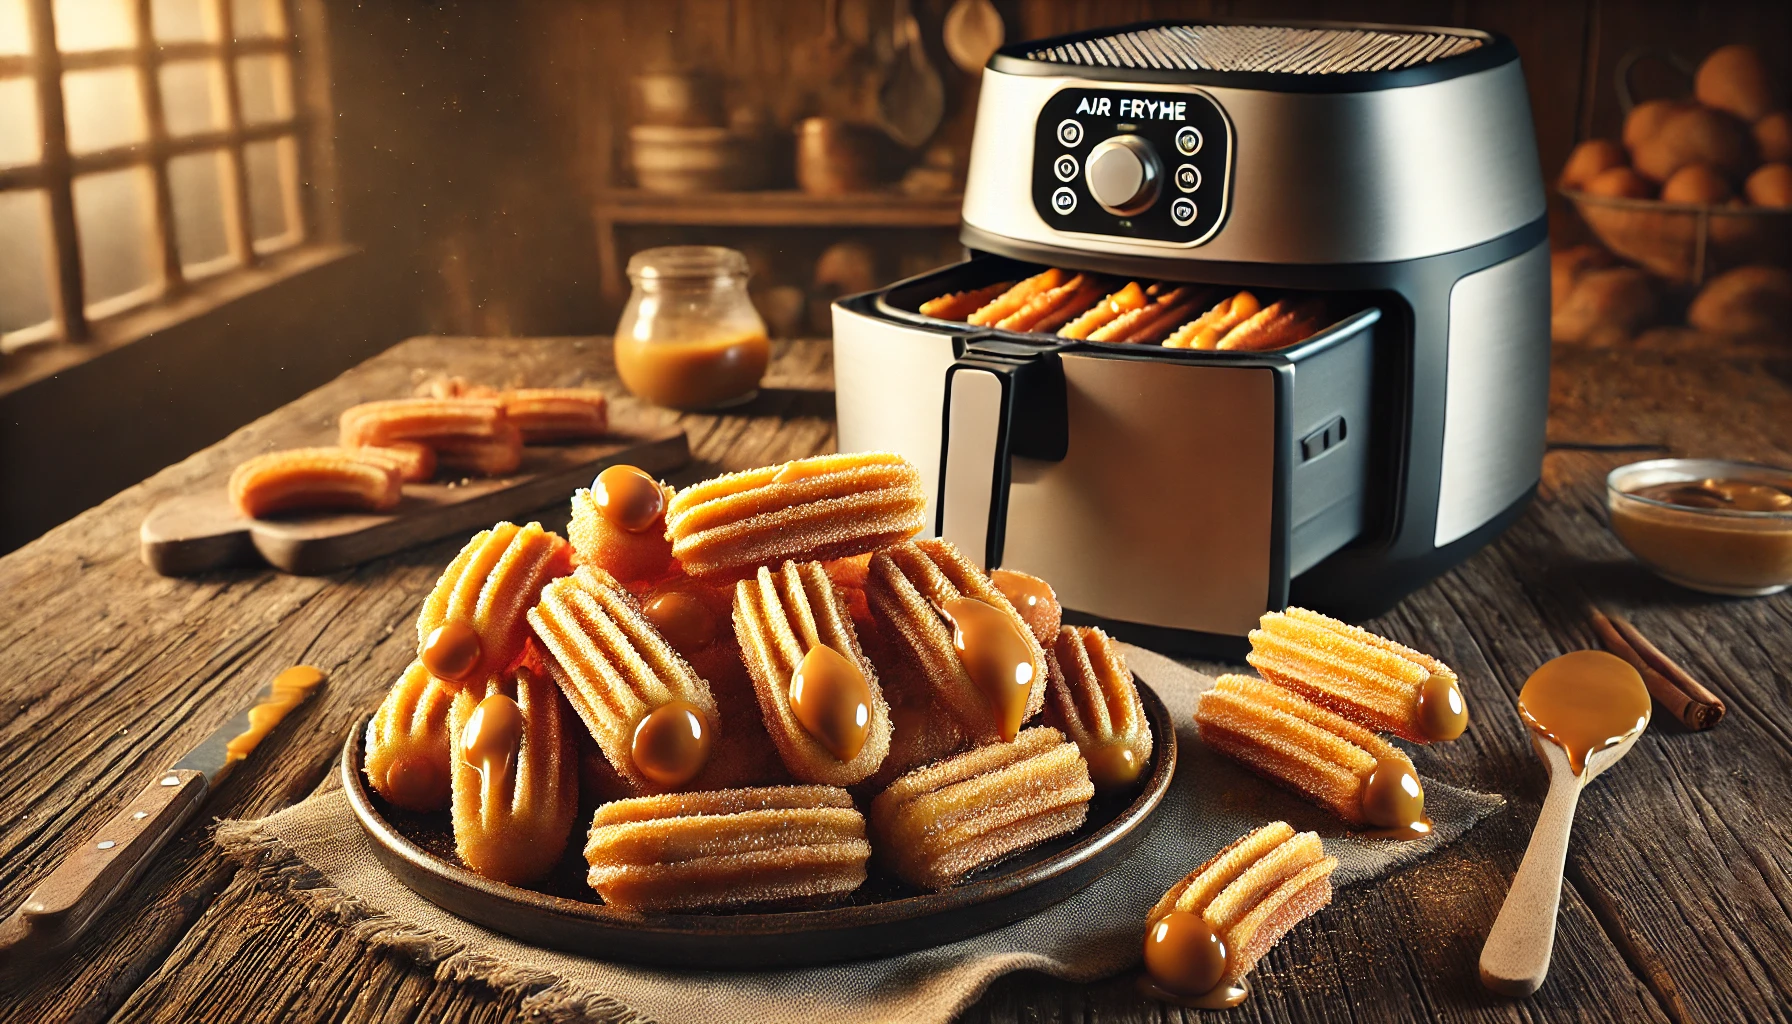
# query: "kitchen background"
[[381, 169]]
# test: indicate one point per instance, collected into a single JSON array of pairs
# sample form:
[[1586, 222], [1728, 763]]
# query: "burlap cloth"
[[316, 852]]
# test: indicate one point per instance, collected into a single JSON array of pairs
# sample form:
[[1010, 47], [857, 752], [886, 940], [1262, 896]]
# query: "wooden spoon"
[[1515, 959], [973, 33]]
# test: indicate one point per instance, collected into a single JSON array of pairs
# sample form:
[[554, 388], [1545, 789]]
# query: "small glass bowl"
[[1716, 550]]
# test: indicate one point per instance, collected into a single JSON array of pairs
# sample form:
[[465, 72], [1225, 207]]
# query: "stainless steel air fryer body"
[[1176, 495]]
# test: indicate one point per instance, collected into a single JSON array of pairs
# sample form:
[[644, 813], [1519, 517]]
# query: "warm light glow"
[[94, 25]]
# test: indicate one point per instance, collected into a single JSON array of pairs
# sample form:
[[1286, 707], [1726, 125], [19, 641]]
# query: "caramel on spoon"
[[1585, 710]]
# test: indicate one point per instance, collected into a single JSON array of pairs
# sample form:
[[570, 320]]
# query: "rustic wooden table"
[[1678, 904]]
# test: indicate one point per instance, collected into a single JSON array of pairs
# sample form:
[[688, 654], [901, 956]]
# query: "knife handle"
[[79, 888]]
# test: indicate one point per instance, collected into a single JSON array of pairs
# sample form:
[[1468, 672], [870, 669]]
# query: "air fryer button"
[[1064, 200], [1182, 211], [1188, 177], [1070, 133], [1188, 140], [1065, 167]]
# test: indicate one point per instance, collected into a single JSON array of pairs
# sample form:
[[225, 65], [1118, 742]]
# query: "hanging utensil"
[[912, 99], [973, 33]]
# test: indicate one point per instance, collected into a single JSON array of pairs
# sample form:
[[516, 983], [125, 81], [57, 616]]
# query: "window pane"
[[183, 21], [264, 82], [15, 31], [24, 278], [196, 181], [193, 96], [21, 136], [104, 108], [112, 216], [94, 25], [273, 192], [253, 18]]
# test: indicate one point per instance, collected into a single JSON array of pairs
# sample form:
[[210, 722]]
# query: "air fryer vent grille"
[[1274, 48]]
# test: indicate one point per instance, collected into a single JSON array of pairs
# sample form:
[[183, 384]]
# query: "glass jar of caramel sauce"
[[1712, 525], [689, 337]]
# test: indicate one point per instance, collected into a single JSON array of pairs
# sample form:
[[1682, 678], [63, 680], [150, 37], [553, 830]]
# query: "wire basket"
[[1686, 243]]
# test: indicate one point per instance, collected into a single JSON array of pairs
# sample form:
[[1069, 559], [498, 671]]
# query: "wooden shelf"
[[783, 208]]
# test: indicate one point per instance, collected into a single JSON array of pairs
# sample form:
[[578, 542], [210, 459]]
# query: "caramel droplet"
[[671, 743], [831, 699], [451, 651], [993, 647], [1392, 796], [629, 498], [416, 782], [493, 736], [1023, 591], [1113, 765], [683, 619], [1443, 714], [1184, 955], [1584, 702]]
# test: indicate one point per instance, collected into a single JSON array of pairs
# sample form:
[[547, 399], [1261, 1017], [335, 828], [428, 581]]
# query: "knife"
[[78, 889]]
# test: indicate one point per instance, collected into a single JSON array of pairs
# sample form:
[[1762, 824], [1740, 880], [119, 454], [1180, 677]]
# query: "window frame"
[[314, 229]]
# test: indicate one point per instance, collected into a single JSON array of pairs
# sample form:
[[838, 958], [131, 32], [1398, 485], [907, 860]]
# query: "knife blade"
[[74, 893]]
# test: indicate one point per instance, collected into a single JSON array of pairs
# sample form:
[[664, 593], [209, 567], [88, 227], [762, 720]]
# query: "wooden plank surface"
[[1679, 875]]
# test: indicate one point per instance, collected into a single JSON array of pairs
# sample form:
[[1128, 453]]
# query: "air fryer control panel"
[[1133, 164]]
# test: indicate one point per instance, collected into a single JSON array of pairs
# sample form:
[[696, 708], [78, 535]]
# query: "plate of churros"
[[757, 722]]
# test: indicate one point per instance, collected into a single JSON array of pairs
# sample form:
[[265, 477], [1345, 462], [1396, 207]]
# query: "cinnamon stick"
[[1672, 686]]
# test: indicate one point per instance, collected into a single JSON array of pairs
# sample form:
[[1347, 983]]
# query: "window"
[[145, 146]]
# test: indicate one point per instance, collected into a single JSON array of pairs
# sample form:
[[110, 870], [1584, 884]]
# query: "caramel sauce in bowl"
[[1707, 524]]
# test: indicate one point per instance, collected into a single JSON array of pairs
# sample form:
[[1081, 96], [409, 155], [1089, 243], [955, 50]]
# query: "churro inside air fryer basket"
[[1075, 305]]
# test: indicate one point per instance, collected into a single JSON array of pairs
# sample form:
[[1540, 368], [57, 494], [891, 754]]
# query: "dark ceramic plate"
[[883, 917]]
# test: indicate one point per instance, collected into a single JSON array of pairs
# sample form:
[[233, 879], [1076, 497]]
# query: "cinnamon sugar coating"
[[1364, 677], [1284, 737], [1254, 891], [938, 824], [778, 619], [908, 584], [613, 665], [408, 742], [488, 588], [829, 506], [701, 851], [513, 816], [1092, 698]]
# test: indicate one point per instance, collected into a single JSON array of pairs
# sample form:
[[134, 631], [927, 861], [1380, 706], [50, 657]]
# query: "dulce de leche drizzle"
[[288, 690], [671, 743], [800, 469], [1112, 765], [683, 619], [450, 651], [1185, 961], [831, 699], [1394, 802], [1021, 590], [1443, 714], [1585, 702], [996, 655], [630, 499], [416, 780], [492, 739]]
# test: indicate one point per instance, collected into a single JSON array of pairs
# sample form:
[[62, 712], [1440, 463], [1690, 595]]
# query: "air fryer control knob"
[[1123, 174]]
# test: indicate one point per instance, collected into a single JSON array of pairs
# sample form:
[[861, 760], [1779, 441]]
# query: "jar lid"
[[687, 261]]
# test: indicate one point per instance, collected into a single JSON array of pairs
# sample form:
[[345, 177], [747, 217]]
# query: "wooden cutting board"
[[201, 531]]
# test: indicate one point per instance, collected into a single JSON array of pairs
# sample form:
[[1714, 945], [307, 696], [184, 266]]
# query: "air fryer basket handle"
[[1002, 400]]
